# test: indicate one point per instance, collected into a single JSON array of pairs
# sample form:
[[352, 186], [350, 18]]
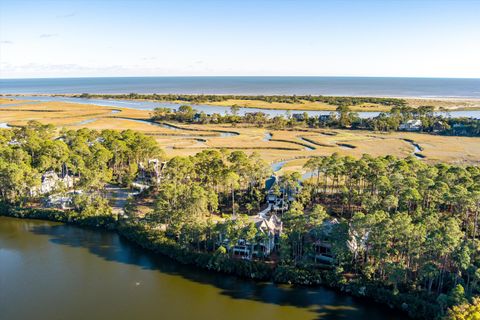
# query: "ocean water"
[[339, 86]]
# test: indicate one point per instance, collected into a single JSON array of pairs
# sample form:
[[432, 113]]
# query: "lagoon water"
[[55, 271], [208, 109], [340, 86]]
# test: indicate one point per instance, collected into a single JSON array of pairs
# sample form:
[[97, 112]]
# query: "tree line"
[[290, 99], [404, 224], [402, 227], [92, 158], [343, 118], [400, 223], [197, 191], [408, 224]]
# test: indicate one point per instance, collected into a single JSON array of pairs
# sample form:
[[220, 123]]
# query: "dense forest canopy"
[[94, 158], [403, 226]]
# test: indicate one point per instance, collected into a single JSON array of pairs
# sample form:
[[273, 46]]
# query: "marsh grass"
[[285, 144]]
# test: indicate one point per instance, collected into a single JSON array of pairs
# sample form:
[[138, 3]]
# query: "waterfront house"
[[62, 200], [268, 233], [156, 167], [280, 205], [14, 143], [58, 201], [323, 244], [271, 198], [51, 182]]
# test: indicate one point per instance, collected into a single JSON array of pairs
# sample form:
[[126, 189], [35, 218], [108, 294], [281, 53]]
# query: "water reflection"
[[134, 277], [150, 105], [111, 247]]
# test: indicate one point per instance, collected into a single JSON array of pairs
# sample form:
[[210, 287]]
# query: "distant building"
[[411, 125], [51, 182], [323, 246], [324, 117], [58, 201], [149, 174], [356, 242], [271, 198], [439, 126], [61, 201], [460, 128], [14, 143], [198, 117], [298, 116], [279, 203], [269, 183]]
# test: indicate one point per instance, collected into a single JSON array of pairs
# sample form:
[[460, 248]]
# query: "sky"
[[75, 38]]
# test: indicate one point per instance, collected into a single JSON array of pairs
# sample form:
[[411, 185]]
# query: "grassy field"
[[305, 105], [450, 104], [273, 145], [438, 103], [57, 113], [11, 101]]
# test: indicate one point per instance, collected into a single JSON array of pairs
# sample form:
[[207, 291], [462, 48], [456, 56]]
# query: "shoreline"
[[257, 271], [71, 94], [449, 103]]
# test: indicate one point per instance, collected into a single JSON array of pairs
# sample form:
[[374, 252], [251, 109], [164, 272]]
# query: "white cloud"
[[48, 35], [70, 69]]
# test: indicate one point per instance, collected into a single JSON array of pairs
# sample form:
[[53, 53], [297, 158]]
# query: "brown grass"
[[304, 105], [286, 144], [11, 101], [451, 104]]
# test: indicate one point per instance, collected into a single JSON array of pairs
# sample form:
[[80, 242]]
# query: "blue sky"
[[265, 37]]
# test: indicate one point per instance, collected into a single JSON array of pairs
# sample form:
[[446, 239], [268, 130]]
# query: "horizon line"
[[239, 76]]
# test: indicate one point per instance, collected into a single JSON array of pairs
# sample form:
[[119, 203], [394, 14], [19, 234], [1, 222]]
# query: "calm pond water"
[[54, 271]]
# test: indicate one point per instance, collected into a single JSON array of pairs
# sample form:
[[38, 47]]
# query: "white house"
[[149, 175], [411, 125], [51, 182], [269, 229], [57, 201], [61, 201]]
